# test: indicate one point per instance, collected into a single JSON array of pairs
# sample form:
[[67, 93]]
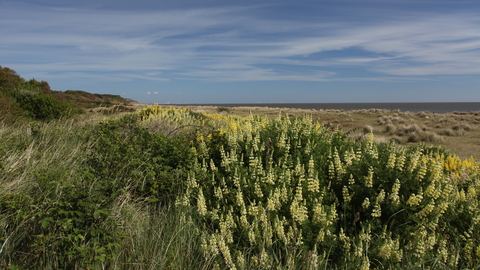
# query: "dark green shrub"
[[20, 98], [128, 154], [42, 86], [10, 110], [60, 231], [9, 79], [59, 214], [42, 106], [53, 214]]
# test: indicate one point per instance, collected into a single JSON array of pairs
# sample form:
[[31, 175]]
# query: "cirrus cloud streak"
[[234, 43]]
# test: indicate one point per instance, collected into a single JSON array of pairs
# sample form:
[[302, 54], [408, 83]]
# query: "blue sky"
[[209, 51]]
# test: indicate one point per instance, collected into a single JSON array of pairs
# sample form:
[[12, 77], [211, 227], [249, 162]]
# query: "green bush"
[[34, 99], [10, 110], [66, 226], [9, 79], [42, 106], [60, 186], [53, 215], [150, 164]]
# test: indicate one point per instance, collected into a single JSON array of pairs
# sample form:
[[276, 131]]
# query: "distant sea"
[[435, 107]]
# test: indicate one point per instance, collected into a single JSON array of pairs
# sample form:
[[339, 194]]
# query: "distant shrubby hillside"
[[32, 99], [89, 100]]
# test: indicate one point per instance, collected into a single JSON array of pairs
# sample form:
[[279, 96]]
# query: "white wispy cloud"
[[232, 44]]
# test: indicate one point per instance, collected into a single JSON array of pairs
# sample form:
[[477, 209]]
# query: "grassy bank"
[[207, 188]]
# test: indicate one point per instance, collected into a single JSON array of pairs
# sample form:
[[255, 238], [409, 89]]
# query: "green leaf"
[[46, 221], [79, 236], [100, 213], [153, 200]]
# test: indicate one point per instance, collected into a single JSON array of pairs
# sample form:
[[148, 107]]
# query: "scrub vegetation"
[[22, 100], [231, 188], [177, 188]]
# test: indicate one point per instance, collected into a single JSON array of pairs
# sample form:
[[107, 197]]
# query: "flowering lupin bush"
[[291, 193]]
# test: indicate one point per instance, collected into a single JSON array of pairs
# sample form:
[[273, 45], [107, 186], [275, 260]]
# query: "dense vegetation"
[[21, 99], [168, 188]]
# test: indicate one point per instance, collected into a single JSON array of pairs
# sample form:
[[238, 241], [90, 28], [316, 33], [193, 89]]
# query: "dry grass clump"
[[383, 120], [113, 110], [382, 139], [448, 132], [443, 119], [425, 115], [371, 112], [376, 138], [462, 126], [391, 119], [424, 136], [404, 130], [456, 130], [390, 128], [345, 114], [411, 133], [367, 129]]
